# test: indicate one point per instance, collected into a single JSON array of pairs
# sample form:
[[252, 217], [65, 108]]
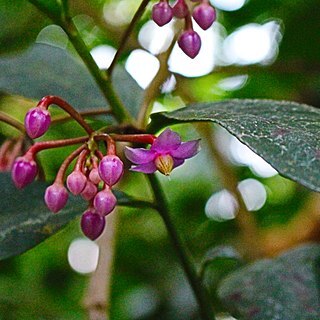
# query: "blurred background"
[[256, 49]]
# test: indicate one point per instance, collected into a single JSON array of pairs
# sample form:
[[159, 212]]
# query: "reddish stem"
[[39, 146], [46, 101], [79, 165], [111, 146], [99, 154], [63, 168], [136, 138], [188, 22]]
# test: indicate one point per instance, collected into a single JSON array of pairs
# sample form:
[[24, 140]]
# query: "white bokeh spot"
[[103, 55], [254, 194], [252, 43], [221, 206], [142, 66], [83, 255]]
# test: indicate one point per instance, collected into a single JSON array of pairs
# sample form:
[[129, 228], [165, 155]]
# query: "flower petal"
[[168, 140], [145, 168], [177, 162], [186, 149], [139, 155]]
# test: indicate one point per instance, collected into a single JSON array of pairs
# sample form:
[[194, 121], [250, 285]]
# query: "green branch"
[[127, 33], [103, 81], [201, 295]]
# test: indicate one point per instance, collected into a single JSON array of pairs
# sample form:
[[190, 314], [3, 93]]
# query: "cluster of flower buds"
[[203, 13], [95, 174]]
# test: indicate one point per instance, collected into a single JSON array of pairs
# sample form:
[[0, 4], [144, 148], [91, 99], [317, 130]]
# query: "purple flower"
[[37, 122], [205, 15], [104, 201], [166, 153], [190, 43], [23, 172], [161, 13], [76, 182], [180, 9], [92, 224], [110, 169], [56, 197]]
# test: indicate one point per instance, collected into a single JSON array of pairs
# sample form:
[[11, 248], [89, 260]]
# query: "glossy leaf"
[[285, 134], [25, 221], [47, 70], [282, 288]]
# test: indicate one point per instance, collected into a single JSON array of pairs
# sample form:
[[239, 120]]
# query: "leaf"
[[47, 70], [282, 288], [20, 24], [217, 254], [285, 134], [25, 221]]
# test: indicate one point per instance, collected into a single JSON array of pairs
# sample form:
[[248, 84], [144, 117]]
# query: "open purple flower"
[[166, 153]]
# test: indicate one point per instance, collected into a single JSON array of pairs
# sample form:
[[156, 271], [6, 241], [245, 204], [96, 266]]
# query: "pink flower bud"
[[76, 182], [56, 197], [180, 9], [92, 224], [94, 176], [23, 172], [110, 169], [89, 191], [104, 202], [37, 122], [190, 43], [204, 15], [161, 13]]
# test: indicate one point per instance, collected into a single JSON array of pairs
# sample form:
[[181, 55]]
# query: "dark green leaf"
[[217, 254], [283, 288], [51, 8], [285, 134], [20, 24], [25, 221], [46, 70]]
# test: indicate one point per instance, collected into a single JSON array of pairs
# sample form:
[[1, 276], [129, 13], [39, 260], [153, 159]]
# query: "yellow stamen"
[[164, 164]]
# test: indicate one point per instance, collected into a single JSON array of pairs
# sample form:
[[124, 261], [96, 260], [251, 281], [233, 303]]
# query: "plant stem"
[[12, 122], [65, 22], [120, 112], [66, 118], [67, 161], [48, 100], [43, 145], [201, 295], [126, 34]]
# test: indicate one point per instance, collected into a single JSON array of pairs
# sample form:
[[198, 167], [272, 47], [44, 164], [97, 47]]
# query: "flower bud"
[[56, 197], [23, 172], [104, 202], [161, 13], [190, 43], [92, 224], [204, 15], [94, 176], [110, 169], [180, 9], [89, 191], [37, 122], [76, 182]]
